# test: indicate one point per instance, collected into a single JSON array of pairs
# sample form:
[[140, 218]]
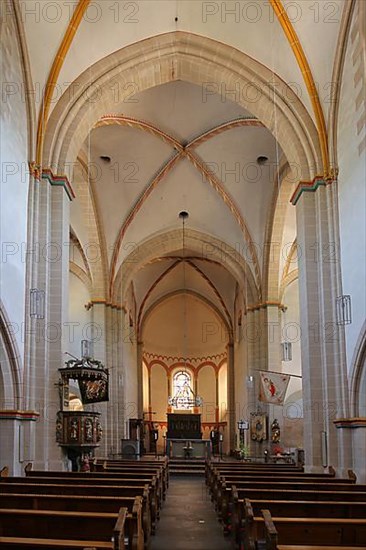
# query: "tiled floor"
[[188, 519]]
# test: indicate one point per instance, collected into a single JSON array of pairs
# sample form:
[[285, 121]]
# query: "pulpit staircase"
[[187, 466]]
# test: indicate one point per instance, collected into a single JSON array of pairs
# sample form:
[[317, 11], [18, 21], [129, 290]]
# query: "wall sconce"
[[250, 381], [286, 351], [37, 303], [344, 313]]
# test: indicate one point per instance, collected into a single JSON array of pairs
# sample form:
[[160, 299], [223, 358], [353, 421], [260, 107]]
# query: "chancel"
[[183, 195]]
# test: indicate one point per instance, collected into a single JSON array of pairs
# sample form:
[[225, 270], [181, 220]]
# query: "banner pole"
[[285, 373]]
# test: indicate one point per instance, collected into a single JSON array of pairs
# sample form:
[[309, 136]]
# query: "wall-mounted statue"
[[275, 431]]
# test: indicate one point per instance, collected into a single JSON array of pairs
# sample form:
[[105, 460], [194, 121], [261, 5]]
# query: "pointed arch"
[[194, 59], [10, 363]]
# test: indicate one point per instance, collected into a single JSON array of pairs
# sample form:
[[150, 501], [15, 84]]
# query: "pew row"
[[295, 531], [123, 466], [161, 462], [153, 479], [88, 498], [240, 480], [128, 473], [326, 510], [33, 529], [230, 497], [136, 515]]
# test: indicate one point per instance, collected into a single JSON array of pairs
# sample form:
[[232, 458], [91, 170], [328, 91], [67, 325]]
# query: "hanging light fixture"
[[184, 397]]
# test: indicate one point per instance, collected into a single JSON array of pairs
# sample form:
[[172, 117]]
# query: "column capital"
[[265, 305], [54, 179], [358, 422], [7, 414], [310, 186]]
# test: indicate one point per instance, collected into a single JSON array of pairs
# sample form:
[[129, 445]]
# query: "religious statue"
[[276, 432], [59, 427], [74, 429], [88, 430], [99, 430], [85, 466]]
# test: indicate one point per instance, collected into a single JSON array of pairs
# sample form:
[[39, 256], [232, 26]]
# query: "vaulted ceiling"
[[179, 146]]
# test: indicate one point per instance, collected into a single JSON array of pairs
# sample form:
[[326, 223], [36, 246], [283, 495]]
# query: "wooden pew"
[[214, 472], [219, 478], [322, 531], [239, 464], [88, 497], [160, 462], [84, 503], [295, 509], [212, 466], [122, 466], [229, 494], [284, 482], [21, 543], [153, 479], [309, 508], [35, 529], [317, 547], [252, 465], [232, 507], [146, 473]]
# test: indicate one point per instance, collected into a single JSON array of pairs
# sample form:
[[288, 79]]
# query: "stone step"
[[187, 472], [174, 461], [193, 470]]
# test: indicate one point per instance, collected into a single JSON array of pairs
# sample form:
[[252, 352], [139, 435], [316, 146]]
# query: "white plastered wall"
[[14, 181], [79, 316], [352, 190]]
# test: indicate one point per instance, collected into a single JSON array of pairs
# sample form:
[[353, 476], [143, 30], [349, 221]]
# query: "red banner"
[[273, 387]]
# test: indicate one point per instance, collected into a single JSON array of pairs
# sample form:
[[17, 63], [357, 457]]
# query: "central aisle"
[[188, 519]]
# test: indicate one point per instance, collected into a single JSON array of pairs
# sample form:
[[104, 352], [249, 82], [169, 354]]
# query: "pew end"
[[4, 472], [249, 535], [352, 476], [271, 535], [119, 530]]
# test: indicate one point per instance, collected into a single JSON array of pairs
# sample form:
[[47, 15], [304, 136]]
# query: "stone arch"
[[358, 376], [169, 242], [192, 58], [10, 362], [276, 223], [196, 295]]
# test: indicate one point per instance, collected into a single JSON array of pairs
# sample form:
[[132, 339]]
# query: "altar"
[[184, 437], [188, 448], [184, 426]]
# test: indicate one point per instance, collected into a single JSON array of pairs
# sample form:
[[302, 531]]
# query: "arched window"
[[182, 390]]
